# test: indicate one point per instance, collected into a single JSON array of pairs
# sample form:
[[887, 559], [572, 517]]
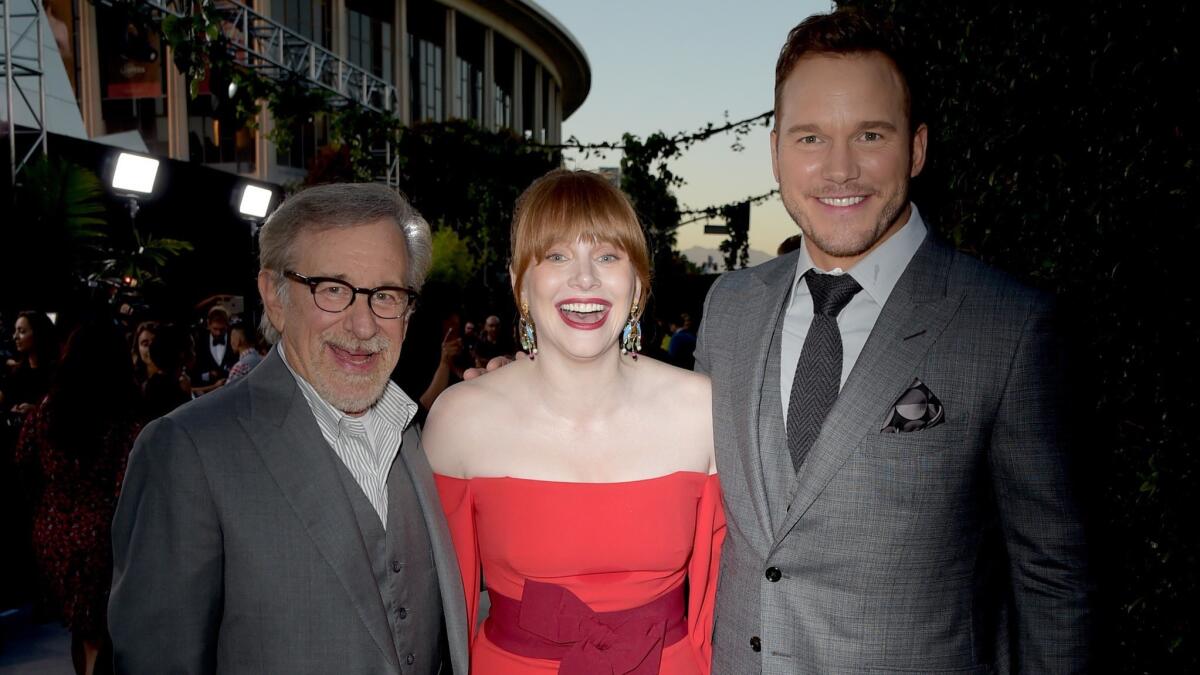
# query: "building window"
[[308, 139], [369, 37], [213, 138], [547, 82], [309, 18], [503, 55], [426, 40], [132, 87], [468, 69], [527, 85]]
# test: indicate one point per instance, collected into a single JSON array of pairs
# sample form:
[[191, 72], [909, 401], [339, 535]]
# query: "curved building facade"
[[501, 63]]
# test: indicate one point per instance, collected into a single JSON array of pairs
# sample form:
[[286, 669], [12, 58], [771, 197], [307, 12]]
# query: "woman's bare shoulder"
[[465, 416], [687, 387], [680, 402]]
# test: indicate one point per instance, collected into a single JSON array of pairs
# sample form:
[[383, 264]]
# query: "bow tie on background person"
[[218, 340]]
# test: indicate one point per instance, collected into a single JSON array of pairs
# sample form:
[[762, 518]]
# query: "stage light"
[[135, 173], [255, 201]]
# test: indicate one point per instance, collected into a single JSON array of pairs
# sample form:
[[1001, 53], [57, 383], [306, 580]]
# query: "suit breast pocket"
[[946, 436], [925, 474]]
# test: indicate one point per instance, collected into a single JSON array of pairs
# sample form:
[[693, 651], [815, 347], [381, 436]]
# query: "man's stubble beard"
[[887, 218], [332, 384]]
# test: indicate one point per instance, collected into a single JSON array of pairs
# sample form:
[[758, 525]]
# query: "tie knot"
[[831, 292]]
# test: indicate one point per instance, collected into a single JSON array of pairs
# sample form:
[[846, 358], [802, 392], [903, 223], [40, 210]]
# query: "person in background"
[[493, 342], [143, 337], [470, 339], [447, 372], [790, 244], [169, 386], [72, 455], [214, 355], [470, 335], [249, 354], [28, 376], [683, 343]]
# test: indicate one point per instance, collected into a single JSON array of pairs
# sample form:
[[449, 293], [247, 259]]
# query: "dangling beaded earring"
[[631, 335], [525, 329]]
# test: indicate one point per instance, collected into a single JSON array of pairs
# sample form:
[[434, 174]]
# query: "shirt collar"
[[394, 409], [879, 271]]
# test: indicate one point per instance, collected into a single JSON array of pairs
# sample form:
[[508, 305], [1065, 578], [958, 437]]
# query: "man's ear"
[[775, 154], [272, 303], [919, 142]]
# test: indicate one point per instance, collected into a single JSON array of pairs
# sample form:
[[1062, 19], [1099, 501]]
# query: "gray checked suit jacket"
[[955, 549], [237, 550]]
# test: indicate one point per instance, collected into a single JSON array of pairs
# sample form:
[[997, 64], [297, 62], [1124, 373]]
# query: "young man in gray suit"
[[289, 523], [887, 413]]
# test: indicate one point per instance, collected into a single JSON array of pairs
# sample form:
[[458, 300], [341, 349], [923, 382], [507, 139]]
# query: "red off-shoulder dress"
[[614, 546]]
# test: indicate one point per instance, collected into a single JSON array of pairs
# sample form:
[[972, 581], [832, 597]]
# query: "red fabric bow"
[[633, 646]]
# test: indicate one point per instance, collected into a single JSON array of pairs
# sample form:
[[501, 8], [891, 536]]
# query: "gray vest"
[[402, 560], [779, 477]]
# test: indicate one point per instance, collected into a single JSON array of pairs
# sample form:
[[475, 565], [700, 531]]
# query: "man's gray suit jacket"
[[237, 547], [953, 549]]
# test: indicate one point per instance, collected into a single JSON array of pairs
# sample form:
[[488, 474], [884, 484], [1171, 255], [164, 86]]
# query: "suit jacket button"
[[756, 644], [402, 613], [396, 566], [773, 574], [410, 659]]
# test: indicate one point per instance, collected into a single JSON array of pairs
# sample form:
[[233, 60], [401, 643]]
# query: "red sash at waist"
[[551, 622]]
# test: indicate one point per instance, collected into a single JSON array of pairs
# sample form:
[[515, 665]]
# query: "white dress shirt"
[[217, 350], [367, 444], [877, 273]]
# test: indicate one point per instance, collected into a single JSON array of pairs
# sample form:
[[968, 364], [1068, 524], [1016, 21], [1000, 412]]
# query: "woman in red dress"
[[580, 483], [72, 451]]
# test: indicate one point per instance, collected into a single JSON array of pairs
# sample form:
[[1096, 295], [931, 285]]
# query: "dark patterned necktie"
[[819, 370]]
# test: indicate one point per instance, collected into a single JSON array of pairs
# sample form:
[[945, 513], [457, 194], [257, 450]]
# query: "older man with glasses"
[[289, 522]]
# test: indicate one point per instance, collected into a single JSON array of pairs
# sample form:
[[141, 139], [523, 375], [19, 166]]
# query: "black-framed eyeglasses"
[[334, 295]]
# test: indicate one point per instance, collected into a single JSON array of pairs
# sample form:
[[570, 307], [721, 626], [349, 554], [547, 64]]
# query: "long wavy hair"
[[45, 337], [92, 392]]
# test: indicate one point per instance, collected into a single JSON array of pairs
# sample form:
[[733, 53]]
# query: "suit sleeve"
[[703, 363], [1039, 514], [165, 609]]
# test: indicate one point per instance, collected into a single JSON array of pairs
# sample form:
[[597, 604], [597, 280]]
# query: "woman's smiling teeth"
[[584, 314], [841, 201], [582, 307]]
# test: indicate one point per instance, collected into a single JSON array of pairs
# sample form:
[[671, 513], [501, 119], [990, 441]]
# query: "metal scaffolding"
[[278, 52], [21, 66]]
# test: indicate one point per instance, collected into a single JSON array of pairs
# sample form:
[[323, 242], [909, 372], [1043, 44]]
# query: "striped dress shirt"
[[367, 444]]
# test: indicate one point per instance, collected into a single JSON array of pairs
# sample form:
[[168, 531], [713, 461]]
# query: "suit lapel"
[[912, 320], [412, 458], [302, 464], [759, 306]]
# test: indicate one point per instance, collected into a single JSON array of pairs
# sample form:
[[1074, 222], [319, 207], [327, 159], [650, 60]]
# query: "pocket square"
[[916, 409]]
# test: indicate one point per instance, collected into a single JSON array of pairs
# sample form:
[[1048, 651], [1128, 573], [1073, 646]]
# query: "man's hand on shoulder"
[[494, 364]]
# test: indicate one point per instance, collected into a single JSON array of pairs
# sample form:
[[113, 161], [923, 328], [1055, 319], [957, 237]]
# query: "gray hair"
[[339, 205]]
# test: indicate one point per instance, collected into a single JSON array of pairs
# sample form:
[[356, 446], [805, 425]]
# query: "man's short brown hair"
[[845, 32]]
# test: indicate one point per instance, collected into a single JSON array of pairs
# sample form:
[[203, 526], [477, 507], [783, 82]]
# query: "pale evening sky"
[[675, 66]]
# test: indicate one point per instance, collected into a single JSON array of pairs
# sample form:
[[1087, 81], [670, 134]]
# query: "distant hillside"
[[700, 256]]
